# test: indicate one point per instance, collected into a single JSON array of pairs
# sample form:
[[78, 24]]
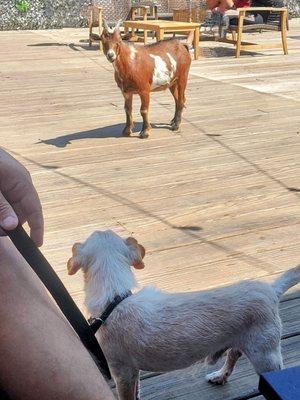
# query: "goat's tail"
[[287, 280]]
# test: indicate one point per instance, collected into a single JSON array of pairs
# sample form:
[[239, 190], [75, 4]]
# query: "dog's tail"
[[287, 280]]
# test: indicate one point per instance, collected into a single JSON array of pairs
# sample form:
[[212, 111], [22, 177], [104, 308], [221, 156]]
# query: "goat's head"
[[111, 39]]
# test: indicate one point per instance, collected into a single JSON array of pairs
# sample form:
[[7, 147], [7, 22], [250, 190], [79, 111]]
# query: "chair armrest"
[[274, 9]]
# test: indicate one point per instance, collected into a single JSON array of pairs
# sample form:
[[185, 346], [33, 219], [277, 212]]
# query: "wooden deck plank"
[[213, 204], [231, 207]]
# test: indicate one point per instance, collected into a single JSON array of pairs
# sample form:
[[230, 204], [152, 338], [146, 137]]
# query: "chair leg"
[[239, 34], [283, 33], [100, 31], [90, 19], [284, 43], [90, 36], [233, 33], [238, 45]]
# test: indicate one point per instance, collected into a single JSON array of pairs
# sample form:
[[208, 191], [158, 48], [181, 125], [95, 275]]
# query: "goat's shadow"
[[111, 131]]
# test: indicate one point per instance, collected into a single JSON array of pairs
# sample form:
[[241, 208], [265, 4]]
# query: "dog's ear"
[[139, 253], [73, 266], [73, 263]]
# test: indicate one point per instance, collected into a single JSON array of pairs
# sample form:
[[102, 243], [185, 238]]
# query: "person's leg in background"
[[41, 356], [219, 5]]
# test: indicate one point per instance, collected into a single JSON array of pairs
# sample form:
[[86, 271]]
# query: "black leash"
[[97, 322], [47, 275]]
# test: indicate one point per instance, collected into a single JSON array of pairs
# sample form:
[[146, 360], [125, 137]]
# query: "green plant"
[[22, 5]]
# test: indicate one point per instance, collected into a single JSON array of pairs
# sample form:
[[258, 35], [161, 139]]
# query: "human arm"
[[19, 201]]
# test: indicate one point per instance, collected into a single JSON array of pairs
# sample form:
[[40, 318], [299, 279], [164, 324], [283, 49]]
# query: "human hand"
[[19, 201]]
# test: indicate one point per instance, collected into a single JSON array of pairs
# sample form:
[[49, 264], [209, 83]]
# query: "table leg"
[[133, 36], [145, 36], [196, 43], [160, 34]]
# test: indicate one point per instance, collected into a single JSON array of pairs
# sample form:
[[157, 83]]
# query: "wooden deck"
[[214, 204]]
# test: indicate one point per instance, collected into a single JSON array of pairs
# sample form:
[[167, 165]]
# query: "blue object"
[[281, 385]]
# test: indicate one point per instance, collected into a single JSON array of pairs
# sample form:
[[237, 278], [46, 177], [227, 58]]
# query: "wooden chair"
[[196, 14], [277, 21], [94, 15], [137, 12], [144, 10]]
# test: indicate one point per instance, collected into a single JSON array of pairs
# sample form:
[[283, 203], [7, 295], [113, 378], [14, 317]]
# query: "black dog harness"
[[97, 322]]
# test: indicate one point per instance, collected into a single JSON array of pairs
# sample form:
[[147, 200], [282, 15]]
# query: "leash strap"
[[47, 275], [97, 322]]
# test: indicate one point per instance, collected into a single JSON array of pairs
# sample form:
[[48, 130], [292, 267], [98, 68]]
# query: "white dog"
[[155, 331]]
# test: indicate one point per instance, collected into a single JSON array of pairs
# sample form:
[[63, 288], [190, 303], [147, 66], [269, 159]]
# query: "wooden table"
[[161, 27]]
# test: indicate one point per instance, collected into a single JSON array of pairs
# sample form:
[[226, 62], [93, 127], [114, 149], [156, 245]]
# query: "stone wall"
[[294, 7], [43, 14], [70, 13]]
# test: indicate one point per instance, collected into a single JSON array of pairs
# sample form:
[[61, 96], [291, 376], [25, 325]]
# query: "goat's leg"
[[174, 91], [145, 101], [181, 85], [127, 131], [127, 384], [220, 377]]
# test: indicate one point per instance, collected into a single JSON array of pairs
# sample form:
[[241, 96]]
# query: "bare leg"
[[127, 131], [40, 355], [145, 101], [220, 377], [222, 4]]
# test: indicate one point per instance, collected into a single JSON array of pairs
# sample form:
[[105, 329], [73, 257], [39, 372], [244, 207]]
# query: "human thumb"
[[8, 218]]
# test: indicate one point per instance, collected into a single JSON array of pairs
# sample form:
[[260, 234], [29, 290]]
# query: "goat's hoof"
[[126, 132], [144, 134], [216, 378]]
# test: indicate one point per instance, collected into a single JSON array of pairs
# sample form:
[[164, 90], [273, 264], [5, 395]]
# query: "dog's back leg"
[[212, 359], [220, 377]]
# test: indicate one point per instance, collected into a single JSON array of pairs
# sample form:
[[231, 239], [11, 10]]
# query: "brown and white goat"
[[144, 69]]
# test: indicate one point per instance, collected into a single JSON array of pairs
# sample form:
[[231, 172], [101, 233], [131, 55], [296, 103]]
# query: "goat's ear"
[[139, 253]]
